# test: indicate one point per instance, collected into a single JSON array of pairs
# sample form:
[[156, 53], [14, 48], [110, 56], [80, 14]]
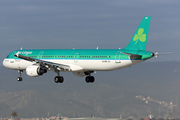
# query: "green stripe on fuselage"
[[80, 54]]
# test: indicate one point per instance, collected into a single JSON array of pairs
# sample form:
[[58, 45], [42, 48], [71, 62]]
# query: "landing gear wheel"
[[90, 79], [58, 79], [61, 79], [87, 79], [19, 79]]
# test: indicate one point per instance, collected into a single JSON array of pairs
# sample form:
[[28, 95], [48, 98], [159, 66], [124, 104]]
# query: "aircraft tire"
[[19, 79], [88, 79], [92, 79], [61, 79], [56, 79]]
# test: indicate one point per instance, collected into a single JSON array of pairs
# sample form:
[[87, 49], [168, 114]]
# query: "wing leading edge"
[[48, 64]]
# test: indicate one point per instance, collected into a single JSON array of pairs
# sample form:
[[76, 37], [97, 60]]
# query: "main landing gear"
[[89, 79], [19, 78], [58, 79]]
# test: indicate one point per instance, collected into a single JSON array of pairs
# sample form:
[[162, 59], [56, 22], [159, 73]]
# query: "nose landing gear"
[[19, 78]]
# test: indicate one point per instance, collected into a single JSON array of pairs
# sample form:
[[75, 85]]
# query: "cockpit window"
[[7, 56]]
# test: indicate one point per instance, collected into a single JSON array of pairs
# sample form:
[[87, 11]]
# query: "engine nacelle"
[[35, 71]]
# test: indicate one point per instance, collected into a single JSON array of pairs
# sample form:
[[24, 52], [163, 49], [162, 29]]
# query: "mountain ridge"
[[113, 93]]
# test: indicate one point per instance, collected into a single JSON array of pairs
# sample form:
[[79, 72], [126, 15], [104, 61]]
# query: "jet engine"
[[35, 71]]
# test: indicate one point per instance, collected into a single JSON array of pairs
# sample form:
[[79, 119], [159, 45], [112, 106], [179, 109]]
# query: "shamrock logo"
[[140, 36]]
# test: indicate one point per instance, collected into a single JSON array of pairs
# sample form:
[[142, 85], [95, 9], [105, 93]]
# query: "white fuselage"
[[85, 65]]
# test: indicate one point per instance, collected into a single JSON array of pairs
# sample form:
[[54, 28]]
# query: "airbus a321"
[[82, 62]]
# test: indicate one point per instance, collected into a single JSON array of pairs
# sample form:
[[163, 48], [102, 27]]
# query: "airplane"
[[82, 62]]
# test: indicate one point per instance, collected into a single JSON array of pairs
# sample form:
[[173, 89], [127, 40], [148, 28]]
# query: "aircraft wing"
[[44, 63]]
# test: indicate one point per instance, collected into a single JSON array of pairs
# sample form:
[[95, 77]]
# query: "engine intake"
[[35, 71], [41, 71]]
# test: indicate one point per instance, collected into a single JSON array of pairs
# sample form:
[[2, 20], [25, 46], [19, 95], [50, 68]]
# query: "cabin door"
[[117, 57], [76, 57], [40, 55]]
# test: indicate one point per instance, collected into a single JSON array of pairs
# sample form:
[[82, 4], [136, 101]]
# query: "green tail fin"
[[139, 39]]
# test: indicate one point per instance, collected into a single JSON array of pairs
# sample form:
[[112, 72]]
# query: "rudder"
[[139, 39]]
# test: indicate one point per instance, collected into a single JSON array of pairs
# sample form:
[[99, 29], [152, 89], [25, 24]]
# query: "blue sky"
[[81, 24]]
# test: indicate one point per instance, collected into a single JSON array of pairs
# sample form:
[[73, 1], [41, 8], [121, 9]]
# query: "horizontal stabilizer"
[[132, 56], [157, 54]]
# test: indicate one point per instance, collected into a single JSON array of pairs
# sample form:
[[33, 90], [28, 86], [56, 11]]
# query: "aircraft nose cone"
[[5, 63]]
